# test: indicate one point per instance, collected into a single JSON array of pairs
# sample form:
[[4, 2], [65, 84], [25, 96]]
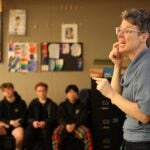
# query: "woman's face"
[[129, 37]]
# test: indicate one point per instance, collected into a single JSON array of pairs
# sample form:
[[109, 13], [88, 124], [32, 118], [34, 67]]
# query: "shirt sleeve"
[[31, 113], [142, 86], [2, 111], [51, 120], [82, 116], [61, 115]]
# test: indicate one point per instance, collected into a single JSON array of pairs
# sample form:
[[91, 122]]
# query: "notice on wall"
[[22, 57], [61, 56]]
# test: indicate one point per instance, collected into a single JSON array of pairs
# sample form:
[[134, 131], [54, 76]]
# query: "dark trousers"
[[38, 138], [137, 145]]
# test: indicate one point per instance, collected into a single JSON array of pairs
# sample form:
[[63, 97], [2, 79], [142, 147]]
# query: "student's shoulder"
[[23, 102], [2, 101], [80, 103], [51, 101], [63, 103], [34, 101]]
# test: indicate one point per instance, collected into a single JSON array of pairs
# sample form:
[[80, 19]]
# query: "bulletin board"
[[61, 56]]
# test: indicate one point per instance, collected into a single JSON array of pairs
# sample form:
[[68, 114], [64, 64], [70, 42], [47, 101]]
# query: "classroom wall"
[[96, 19]]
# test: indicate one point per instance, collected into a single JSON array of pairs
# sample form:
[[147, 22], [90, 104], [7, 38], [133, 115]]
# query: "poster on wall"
[[22, 57], [61, 56], [69, 33], [17, 22]]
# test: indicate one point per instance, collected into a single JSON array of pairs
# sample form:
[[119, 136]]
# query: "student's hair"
[[41, 84], [6, 85], [140, 18], [72, 87]]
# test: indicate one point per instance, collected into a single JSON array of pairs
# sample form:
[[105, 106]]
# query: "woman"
[[131, 93]]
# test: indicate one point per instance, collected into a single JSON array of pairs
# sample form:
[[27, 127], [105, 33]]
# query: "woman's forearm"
[[115, 82]]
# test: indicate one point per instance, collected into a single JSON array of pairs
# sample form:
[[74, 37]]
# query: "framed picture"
[[69, 33], [1, 31], [17, 22]]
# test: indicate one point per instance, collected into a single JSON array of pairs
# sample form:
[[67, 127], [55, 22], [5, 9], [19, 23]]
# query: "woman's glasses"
[[126, 30]]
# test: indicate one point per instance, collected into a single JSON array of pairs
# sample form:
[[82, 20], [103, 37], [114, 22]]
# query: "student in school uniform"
[[41, 119], [13, 112], [72, 118]]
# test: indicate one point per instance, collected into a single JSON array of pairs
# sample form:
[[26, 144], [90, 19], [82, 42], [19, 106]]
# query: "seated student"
[[72, 117], [12, 114], [41, 119]]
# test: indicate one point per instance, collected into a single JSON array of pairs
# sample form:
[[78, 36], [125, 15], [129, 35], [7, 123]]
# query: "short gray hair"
[[139, 18]]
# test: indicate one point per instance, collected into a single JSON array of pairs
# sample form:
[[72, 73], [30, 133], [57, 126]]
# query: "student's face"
[[8, 92], [41, 92], [72, 96], [128, 42]]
